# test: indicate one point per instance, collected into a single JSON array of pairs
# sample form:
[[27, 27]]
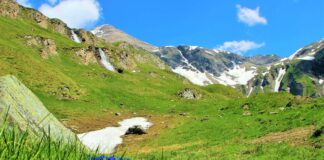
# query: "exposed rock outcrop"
[[86, 36], [40, 19], [122, 57], [189, 94], [47, 46], [27, 112], [9, 8], [59, 26], [88, 55]]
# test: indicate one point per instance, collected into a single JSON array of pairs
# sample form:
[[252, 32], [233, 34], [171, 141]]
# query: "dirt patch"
[[82, 124], [296, 136]]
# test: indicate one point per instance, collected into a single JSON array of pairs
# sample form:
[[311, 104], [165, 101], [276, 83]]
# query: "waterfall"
[[75, 37], [281, 74], [104, 61]]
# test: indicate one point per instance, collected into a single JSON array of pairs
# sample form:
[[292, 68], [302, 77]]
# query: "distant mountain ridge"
[[251, 75]]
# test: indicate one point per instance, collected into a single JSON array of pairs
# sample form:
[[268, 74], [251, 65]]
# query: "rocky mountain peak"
[[111, 34], [260, 60]]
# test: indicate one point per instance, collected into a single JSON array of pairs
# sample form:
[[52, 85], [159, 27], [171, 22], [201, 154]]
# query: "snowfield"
[[237, 75], [195, 77]]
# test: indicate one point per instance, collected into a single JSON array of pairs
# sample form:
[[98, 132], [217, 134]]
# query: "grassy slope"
[[223, 133]]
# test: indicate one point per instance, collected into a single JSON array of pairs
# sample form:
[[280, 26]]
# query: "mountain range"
[[300, 74]]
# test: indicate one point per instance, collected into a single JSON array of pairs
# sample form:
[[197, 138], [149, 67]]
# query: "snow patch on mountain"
[[237, 75], [191, 73], [98, 31], [192, 47], [307, 58], [209, 52], [284, 59], [193, 76], [295, 54]]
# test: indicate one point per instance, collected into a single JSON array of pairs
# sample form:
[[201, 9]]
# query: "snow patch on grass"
[[108, 138]]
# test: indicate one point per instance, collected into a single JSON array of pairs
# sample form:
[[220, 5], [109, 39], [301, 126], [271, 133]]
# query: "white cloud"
[[75, 13], [249, 16], [240, 47], [24, 3]]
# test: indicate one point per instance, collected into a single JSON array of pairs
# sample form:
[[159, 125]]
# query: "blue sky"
[[246, 27]]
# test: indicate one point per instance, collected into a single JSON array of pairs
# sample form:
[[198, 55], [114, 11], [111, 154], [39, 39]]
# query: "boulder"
[[189, 94], [26, 111], [139, 130]]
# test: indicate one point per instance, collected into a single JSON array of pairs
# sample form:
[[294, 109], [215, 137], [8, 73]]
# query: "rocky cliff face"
[[28, 112]]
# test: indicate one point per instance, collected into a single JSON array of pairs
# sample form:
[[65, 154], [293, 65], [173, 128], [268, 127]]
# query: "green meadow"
[[222, 124]]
